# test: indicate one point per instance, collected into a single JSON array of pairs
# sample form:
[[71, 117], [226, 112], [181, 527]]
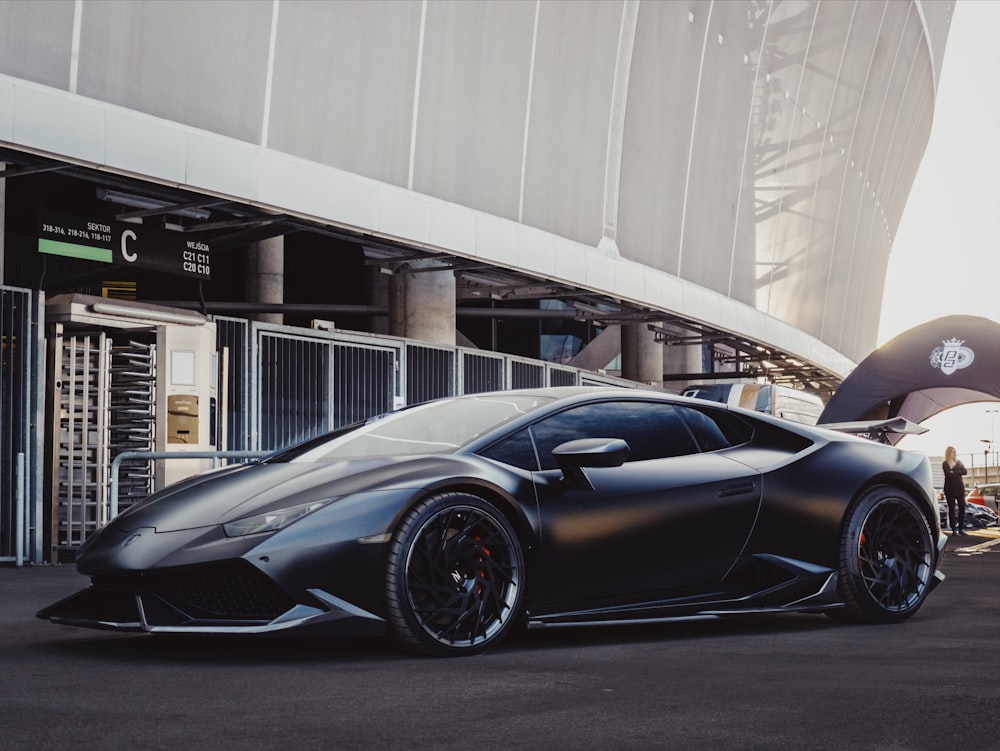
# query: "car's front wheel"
[[887, 558], [454, 576]]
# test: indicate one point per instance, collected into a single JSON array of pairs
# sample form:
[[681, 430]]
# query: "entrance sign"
[[123, 244]]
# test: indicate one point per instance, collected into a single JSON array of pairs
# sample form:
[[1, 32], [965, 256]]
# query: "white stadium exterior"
[[417, 198], [740, 164]]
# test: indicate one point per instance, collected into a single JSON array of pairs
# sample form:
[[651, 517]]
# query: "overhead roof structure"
[[231, 224], [926, 370]]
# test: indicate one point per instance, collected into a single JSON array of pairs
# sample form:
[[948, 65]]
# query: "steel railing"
[[151, 455]]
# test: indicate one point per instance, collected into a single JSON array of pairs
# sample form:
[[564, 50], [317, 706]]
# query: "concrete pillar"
[[642, 355], [422, 304], [378, 295], [265, 276], [683, 359]]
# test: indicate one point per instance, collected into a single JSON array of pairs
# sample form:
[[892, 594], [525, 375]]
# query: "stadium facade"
[[743, 164], [724, 177]]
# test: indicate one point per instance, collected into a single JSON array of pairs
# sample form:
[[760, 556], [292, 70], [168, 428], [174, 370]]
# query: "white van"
[[781, 401]]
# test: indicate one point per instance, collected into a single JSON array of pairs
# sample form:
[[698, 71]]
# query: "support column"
[[604, 348], [684, 359], [422, 304], [265, 276], [378, 296], [642, 355]]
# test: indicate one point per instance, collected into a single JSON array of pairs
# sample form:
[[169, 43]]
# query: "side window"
[[652, 430], [516, 450], [715, 429]]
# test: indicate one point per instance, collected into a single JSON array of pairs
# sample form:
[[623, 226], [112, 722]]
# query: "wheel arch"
[[903, 482]]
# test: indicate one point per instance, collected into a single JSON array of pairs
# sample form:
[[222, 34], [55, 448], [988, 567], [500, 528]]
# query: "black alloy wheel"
[[455, 576], [887, 558]]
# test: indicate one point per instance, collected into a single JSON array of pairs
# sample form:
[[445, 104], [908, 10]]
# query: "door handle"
[[741, 488]]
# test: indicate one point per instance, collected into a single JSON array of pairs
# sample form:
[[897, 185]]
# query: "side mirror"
[[573, 456]]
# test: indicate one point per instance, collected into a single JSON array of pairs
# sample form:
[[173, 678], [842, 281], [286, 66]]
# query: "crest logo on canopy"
[[952, 356]]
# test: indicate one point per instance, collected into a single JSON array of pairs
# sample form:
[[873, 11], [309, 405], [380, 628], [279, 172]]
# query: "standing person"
[[954, 490]]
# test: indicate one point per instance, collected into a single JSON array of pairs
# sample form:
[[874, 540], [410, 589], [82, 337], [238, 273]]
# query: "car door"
[[671, 520]]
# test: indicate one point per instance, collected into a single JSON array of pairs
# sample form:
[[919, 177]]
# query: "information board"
[[123, 244]]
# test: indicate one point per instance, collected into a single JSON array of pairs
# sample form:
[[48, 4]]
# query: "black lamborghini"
[[446, 524]]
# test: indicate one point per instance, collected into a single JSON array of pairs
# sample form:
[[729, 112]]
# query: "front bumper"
[[229, 598]]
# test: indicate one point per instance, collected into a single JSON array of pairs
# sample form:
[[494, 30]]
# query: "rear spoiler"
[[878, 430]]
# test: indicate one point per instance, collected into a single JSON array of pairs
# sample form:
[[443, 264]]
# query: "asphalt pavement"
[[758, 683]]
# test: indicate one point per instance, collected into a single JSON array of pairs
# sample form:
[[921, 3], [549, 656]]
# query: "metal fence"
[[21, 417], [297, 383], [234, 342], [277, 385]]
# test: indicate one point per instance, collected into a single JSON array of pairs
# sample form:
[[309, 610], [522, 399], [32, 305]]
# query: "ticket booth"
[[187, 398], [123, 376]]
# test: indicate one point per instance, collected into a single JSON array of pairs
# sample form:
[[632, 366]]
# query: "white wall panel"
[[628, 279], [146, 145], [7, 110], [343, 84], [41, 117], [571, 100], [198, 63], [470, 130], [496, 239], [404, 214], [36, 40], [600, 271], [536, 250], [452, 226], [312, 189], [222, 165], [570, 262]]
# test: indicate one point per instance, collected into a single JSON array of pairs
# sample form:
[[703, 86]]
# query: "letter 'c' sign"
[[127, 254]]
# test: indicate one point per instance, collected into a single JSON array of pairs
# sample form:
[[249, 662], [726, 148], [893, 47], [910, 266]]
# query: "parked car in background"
[[771, 399], [976, 516], [986, 495], [983, 513]]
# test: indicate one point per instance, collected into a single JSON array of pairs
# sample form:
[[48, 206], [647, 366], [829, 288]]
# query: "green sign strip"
[[104, 255]]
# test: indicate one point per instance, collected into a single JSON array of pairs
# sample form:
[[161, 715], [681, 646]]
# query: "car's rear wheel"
[[887, 558], [455, 576]]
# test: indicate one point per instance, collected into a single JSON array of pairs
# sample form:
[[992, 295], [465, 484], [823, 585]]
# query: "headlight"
[[271, 521]]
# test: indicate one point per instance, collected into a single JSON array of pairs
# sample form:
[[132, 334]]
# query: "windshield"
[[438, 427]]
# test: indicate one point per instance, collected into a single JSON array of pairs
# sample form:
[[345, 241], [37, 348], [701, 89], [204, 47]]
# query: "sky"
[[946, 255]]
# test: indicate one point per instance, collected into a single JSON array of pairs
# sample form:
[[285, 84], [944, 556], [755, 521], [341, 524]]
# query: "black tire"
[[886, 558], [454, 577]]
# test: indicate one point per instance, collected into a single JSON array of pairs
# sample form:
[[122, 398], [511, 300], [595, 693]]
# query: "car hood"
[[219, 497]]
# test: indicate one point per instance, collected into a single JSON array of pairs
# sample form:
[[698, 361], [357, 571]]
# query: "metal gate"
[[311, 383], [132, 418], [79, 442], [308, 381], [430, 373], [482, 372], [103, 403], [21, 452], [234, 341]]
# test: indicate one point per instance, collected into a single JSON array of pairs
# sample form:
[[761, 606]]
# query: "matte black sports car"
[[444, 525]]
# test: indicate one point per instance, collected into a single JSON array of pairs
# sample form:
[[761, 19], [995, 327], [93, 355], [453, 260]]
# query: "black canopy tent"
[[923, 371]]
